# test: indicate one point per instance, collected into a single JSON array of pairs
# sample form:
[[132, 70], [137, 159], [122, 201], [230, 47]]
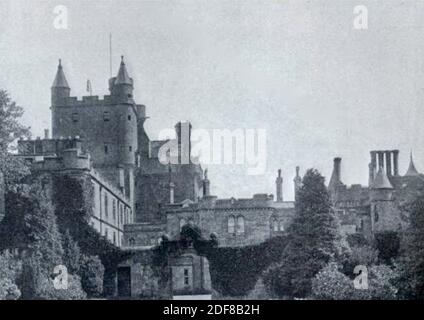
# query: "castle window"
[[121, 215], [106, 206], [106, 116], [281, 226], [114, 209], [106, 149], [182, 224], [106, 233], [132, 242], [129, 117], [75, 117], [274, 224], [240, 224], [231, 224], [130, 148], [114, 237], [186, 278]]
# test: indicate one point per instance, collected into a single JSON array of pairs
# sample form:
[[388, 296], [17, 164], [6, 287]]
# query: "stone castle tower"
[[107, 127], [112, 132]]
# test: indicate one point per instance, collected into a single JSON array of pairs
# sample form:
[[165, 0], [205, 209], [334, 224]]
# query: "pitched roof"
[[123, 77], [60, 79], [381, 180], [412, 171]]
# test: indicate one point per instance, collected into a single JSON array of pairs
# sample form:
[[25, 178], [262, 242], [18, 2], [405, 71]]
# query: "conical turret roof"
[[412, 171], [60, 79], [381, 180], [123, 77]]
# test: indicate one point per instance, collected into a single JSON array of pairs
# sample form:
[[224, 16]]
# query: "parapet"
[[85, 101], [54, 154]]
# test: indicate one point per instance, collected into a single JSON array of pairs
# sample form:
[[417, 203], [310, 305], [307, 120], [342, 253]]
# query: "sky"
[[297, 69]]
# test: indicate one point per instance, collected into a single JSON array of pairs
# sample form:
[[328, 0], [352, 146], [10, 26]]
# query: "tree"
[[388, 245], [92, 272], [414, 249], [359, 255], [13, 168], [10, 268], [313, 237], [43, 237], [71, 252]]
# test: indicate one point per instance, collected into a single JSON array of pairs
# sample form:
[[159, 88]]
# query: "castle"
[[138, 200]]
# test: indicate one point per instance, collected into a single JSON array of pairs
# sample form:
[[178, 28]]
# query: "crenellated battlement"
[[85, 101]]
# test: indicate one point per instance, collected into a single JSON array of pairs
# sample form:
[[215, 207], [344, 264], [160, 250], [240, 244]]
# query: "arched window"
[[240, 224], [274, 224], [132, 242], [231, 223], [182, 223], [281, 226]]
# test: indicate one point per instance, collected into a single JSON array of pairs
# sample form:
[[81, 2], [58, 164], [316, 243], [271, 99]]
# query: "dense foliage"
[[312, 240]]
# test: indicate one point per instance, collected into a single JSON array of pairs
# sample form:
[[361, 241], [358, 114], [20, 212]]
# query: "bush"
[[9, 290], [10, 268], [364, 255], [388, 245], [331, 284], [74, 290], [92, 272]]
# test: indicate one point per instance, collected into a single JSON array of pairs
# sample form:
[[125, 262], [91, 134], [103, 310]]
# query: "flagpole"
[[110, 54]]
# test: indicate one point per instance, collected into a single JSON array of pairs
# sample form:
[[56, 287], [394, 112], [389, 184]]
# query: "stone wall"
[[254, 220]]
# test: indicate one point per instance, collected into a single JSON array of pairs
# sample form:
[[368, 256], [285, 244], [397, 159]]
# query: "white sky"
[[295, 68]]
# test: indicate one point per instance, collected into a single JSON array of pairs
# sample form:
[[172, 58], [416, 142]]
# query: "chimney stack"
[[395, 162], [388, 163], [380, 159], [279, 186], [297, 182], [206, 184]]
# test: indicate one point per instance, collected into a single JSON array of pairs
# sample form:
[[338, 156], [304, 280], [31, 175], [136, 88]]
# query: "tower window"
[[231, 224], [75, 117], [106, 116], [114, 209], [106, 148], [106, 206], [129, 117], [114, 237], [240, 224], [186, 277], [130, 148]]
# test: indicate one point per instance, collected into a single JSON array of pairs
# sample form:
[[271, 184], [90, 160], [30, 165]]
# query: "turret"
[[412, 171], [121, 86], [279, 186], [381, 189], [384, 214], [60, 88]]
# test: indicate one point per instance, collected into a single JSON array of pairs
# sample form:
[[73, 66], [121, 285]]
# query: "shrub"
[[331, 284], [92, 272]]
